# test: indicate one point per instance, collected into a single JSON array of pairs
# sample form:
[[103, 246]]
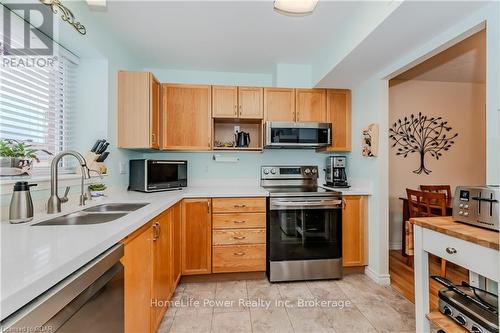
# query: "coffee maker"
[[335, 174]]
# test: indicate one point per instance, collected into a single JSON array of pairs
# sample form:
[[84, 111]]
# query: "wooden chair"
[[446, 189], [424, 204]]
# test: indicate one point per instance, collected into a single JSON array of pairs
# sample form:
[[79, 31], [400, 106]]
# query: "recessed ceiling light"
[[295, 7]]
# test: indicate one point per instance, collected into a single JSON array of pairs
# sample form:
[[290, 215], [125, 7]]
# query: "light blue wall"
[[202, 167], [212, 77], [101, 57], [294, 76]]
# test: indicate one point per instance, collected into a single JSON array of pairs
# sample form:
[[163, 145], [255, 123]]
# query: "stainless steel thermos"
[[21, 204]]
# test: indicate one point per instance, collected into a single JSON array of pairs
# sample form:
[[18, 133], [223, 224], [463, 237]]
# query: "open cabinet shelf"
[[223, 131]]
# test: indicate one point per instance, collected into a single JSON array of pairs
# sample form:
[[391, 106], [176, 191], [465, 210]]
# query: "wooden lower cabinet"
[[239, 258], [196, 236], [162, 287], [176, 244], [354, 231], [239, 235], [138, 276], [152, 270]]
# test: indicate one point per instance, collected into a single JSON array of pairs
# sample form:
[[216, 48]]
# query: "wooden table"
[[406, 217], [456, 242]]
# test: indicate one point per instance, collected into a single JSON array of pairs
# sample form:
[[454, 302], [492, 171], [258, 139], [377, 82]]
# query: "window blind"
[[36, 103]]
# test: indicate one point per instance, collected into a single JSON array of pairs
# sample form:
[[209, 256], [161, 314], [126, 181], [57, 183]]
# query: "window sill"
[[43, 182]]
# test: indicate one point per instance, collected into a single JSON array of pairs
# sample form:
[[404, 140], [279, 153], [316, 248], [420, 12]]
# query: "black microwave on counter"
[[157, 175]]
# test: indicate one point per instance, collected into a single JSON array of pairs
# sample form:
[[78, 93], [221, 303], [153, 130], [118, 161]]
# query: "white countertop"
[[35, 258]]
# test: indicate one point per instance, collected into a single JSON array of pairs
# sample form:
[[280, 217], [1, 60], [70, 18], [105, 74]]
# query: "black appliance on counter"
[[304, 225], [335, 175], [474, 309], [157, 175]]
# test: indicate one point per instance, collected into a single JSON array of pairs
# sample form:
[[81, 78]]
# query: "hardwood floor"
[[402, 276]]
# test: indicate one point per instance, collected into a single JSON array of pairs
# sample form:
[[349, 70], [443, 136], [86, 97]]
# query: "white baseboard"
[[383, 279], [395, 245]]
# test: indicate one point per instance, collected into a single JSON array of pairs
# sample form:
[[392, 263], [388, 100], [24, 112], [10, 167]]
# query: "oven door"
[[301, 135], [166, 174], [304, 228]]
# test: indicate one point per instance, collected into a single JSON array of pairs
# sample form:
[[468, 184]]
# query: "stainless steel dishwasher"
[[89, 300]]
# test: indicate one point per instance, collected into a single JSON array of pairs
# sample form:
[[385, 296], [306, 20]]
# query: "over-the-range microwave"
[[297, 135], [157, 175]]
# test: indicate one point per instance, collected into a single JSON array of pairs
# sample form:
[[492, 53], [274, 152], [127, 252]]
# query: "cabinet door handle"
[[236, 110], [155, 231], [239, 206], [208, 206], [239, 222], [153, 138], [239, 237], [451, 250], [344, 203], [239, 254]]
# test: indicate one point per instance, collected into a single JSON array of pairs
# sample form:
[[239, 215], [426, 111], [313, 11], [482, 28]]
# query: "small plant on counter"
[[16, 157], [97, 190]]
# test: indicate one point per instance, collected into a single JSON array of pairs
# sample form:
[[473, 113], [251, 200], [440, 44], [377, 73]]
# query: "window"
[[36, 105]]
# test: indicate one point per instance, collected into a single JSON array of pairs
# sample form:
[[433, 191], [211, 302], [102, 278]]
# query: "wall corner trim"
[[382, 279]]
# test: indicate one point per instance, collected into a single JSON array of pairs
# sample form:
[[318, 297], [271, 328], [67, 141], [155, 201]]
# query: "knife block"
[[92, 164]]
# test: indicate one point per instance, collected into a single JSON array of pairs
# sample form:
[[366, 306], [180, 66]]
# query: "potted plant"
[[16, 157], [97, 190]]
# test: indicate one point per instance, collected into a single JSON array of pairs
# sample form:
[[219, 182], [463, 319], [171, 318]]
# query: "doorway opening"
[[446, 96]]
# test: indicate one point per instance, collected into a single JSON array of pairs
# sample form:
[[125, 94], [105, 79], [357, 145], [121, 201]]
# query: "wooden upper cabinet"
[[155, 99], [237, 102], [187, 122], [196, 236], [279, 104], [339, 114], [354, 231], [224, 102], [139, 99], [250, 103], [311, 105]]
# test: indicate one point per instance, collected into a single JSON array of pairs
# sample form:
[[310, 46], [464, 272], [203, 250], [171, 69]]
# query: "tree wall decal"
[[421, 134]]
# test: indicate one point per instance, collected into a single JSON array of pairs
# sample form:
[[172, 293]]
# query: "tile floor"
[[354, 304]]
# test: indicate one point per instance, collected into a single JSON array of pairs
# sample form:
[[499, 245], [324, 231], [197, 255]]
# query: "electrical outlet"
[[122, 167], [236, 129]]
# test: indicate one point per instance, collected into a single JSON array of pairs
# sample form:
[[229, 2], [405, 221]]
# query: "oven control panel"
[[289, 172]]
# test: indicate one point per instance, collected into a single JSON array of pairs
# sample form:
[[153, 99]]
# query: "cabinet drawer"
[[462, 253], [239, 220], [238, 236], [239, 258], [226, 205]]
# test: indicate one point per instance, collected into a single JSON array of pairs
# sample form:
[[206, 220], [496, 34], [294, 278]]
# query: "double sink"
[[94, 215]]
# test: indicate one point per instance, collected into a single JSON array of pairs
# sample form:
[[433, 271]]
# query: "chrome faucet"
[[54, 203]]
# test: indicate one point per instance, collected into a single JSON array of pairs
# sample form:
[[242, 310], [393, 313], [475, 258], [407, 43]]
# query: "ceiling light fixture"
[[295, 7]]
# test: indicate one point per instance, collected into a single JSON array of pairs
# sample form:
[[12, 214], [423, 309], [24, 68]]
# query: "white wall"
[[370, 104]]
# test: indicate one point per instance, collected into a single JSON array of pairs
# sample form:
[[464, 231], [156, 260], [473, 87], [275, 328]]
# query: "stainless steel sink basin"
[[82, 218], [116, 207]]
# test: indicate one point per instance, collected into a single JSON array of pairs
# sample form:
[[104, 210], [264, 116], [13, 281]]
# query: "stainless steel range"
[[304, 225]]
